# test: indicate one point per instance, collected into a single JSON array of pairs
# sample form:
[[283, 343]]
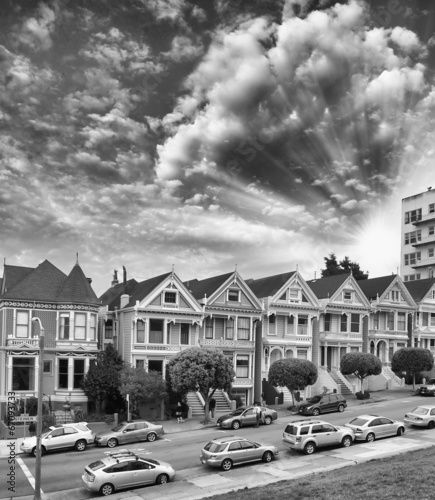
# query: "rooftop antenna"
[[314, 274], [77, 257]]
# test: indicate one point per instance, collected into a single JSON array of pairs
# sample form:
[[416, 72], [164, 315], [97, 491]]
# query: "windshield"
[[239, 411], [420, 411], [118, 428], [315, 399]]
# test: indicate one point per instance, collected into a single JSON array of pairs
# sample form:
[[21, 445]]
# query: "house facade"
[[231, 312], [67, 309]]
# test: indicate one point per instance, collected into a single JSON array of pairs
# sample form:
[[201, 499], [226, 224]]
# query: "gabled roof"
[[268, 286], [419, 288], [326, 287], [13, 275], [112, 296], [375, 287], [207, 286], [77, 289], [144, 288], [43, 284]]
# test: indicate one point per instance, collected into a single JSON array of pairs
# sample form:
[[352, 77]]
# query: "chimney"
[[125, 299], [115, 278], [89, 280], [124, 272]]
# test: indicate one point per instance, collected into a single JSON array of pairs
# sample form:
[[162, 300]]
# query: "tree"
[[202, 370], [345, 266], [295, 374], [360, 364], [102, 380], [142, 386], [412, 360]]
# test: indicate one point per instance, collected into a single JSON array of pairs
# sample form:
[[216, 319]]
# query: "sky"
[[205, 135]]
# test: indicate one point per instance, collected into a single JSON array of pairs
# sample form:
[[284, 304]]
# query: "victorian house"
[[423, 326], [67, 309], [231, 312], [150, 321], [286, 328], [342, 327]]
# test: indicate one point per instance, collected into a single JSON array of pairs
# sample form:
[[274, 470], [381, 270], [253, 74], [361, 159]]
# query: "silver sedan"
[[129, 432], [371, 427], [422, 416]]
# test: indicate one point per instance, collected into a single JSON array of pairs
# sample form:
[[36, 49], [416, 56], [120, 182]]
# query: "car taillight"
[[358, 431], [90, 477]]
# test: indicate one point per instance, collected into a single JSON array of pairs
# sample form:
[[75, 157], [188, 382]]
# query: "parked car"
[[73, 435], [123, 469], [129, 432], [244, 415], [428, 389], [422, 416], [323, 403], [308, 435], [371, 427], [227, 451]]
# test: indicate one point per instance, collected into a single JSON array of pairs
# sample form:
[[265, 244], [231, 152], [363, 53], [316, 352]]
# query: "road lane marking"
[[27, 473]]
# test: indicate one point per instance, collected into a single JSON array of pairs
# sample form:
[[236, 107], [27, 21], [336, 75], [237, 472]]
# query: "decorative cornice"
[[56, 307]]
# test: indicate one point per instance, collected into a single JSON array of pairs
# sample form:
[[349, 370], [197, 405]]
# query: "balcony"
[[160, 347], [424, 218], [227, 343], [237, 382], [382, 334], [340, 336], [23, 342], [424, 241], [423, 263]]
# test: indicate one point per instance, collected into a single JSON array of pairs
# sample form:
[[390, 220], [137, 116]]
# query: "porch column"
[[315, 352], [70, 373]]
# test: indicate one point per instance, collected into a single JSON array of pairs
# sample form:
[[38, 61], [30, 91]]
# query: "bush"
[[362, 395]]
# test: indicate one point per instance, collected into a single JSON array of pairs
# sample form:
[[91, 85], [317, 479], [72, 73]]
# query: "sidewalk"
[[196, 423]]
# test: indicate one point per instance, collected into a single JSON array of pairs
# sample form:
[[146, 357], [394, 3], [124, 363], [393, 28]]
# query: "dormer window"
[[294, 294], [233, 295], [395, 296], [170, 298], [347, 296]]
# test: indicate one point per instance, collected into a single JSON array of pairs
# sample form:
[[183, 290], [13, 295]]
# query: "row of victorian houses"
[[253, 321]]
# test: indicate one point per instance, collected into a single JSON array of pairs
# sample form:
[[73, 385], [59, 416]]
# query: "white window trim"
[[172, 305], [239, 299]]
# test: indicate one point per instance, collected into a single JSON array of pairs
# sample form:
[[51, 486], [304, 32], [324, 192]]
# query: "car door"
[[318, 433], [121, 475], [376, 426], [236, 452], [70, 436], [54, 440], [251, 451], [143, 473], [388, 427], [325, 404], [130, 433], [248, 417], [330, 435], [141, 431]]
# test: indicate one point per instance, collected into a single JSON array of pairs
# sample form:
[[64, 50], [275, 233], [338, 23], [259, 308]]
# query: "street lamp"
[[37, 495]]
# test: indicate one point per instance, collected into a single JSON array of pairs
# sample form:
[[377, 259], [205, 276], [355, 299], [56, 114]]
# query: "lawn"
[[408, 476]]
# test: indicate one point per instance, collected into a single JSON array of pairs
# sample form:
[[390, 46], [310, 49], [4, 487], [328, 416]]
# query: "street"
[[62, 470]]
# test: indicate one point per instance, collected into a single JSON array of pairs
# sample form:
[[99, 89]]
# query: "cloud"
[[36, 32]]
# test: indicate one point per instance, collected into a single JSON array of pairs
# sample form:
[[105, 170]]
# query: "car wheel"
[[107, 489], [370, 437], [267, 456], [346, 441], [80, 445], [42, 451], [340, 408], [226, 464], [431, 424], [112, 443], [235, 425], [316, 412], [151, 436], [310, 448], [162, 479], [268, 420], [400, 431]]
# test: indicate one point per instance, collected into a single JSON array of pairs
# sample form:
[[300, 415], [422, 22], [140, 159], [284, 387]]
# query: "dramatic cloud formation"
[[208, 134]]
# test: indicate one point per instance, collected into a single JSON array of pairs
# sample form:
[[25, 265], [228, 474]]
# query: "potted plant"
[[67, 404]]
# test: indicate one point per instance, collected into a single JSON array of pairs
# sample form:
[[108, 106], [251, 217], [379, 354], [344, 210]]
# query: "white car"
[[371, 427], [73, 435], [422, 416]]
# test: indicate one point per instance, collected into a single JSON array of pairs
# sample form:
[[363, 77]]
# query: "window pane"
[[230, 329], [184, 334], [80, 326], [79, 373], [243, 328], [23, 374], [64, 327], [208, 328], [242, 366], [140, 332], [63, 374], [156, 331], [22, 326]]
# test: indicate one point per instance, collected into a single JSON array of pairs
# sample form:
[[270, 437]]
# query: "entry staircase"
[[388, 373], [344, 389], [197, 407], [287, 395]]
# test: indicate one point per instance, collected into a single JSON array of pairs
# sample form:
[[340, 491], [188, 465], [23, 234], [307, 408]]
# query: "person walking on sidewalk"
[[257, 413], [179, 413], [212, 406]]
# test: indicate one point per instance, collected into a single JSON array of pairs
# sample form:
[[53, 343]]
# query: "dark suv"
[[323, 403]]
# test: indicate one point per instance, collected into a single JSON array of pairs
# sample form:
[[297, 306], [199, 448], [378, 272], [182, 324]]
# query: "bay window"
[[80, 326]]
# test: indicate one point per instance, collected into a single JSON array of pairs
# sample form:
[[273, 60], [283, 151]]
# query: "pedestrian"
[[179, 413], [212, 406], [32, 428], [257, 413]]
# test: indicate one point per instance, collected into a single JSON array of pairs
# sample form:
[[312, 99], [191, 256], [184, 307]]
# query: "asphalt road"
[[62, 470]]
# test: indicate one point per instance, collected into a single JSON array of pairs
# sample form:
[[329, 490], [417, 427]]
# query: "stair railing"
[[344, 380]]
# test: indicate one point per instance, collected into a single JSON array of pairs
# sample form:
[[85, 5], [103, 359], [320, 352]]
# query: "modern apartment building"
[[417, 256]]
